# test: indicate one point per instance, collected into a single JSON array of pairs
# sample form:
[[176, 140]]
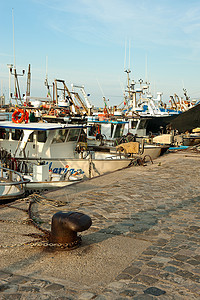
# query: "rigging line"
[[146, 71], [129, 54], [100, 87], [125, 56]]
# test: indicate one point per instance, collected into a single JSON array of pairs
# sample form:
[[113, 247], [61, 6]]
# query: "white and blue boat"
[[58, 146]]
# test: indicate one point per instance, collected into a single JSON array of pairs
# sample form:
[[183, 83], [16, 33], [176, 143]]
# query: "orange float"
[[20, 115]]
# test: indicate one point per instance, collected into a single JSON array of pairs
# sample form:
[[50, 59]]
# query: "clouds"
[[146, 22]]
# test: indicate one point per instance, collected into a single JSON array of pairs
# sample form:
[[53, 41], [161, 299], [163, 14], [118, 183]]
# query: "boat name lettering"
[[64, 170]]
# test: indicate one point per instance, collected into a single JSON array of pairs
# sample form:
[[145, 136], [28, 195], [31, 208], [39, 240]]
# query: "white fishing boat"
[[107, 133], [59, 146]]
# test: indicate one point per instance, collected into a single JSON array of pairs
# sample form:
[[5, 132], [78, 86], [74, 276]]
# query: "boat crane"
[[64, 89], [87, 105]]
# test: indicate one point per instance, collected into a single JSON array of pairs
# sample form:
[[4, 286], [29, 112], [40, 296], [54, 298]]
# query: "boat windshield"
[[66, 135], [16, 134], [4, 133], [74, 134], [142, 124], [41, 136], [134, 124], [60, 136], [119, 130]]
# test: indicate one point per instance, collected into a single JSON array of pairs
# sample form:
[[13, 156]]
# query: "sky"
[[91, 43]]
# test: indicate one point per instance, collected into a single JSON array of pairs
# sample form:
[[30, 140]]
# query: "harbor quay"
[[143, 242]]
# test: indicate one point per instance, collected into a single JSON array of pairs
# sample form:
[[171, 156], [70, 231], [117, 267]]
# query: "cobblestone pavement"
[[156, 206]]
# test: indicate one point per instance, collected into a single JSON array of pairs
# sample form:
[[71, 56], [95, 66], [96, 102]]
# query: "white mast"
[[129, 54], [14, 69], [13, 38], [125, 57]]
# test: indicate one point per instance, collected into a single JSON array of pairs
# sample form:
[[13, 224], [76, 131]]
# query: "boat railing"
[[10, 179]]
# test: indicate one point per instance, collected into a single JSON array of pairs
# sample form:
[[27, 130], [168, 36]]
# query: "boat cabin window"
[[73, 134], [112, 128], [16, 134], [134, 124], [30, 139], [83, 136], [142, 124], [94, 130], [60, 136], [119, 130], [4, 133], [41, 136]]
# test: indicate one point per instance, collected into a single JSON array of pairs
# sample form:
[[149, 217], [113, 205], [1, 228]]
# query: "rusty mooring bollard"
[[64, 228]]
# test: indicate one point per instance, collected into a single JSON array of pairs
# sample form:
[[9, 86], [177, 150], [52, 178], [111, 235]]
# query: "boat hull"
[[10, 192], [158, 124], [188, 120], [88, 168], [43, 186], [151, 152]]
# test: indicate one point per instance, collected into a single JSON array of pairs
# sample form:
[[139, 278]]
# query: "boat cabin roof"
[[107, 122], [38, 126]]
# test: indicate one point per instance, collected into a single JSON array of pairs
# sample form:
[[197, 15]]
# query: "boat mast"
[[17, 94], [130, 86], [47, 84], [28, 87], [9, 70], [14, 69]]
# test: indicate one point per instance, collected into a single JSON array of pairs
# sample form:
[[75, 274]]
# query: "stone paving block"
[[5, 275], [154, 291], [87, 296], [143, 297], [54, 287], [132, 271], [127, 293], [12, 296], [145, 279], [170, 269]]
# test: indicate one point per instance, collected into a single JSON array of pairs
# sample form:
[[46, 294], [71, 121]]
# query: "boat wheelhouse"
[[105, 128], [38, 140]]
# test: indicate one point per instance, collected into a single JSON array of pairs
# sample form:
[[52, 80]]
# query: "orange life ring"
[[24, 116]]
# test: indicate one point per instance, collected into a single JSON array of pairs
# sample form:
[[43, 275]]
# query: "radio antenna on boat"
[[125, 57], [14, 69], [16, 82], [129, 59], [100, 88], [129, 54], [146, 69], [13, 38], [46, 81], [28, 85], [46, 67]]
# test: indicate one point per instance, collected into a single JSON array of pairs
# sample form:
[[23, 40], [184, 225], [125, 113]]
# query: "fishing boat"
[[59, 146], [187, 121], [157, 114], [105, 133], [193, 138]]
